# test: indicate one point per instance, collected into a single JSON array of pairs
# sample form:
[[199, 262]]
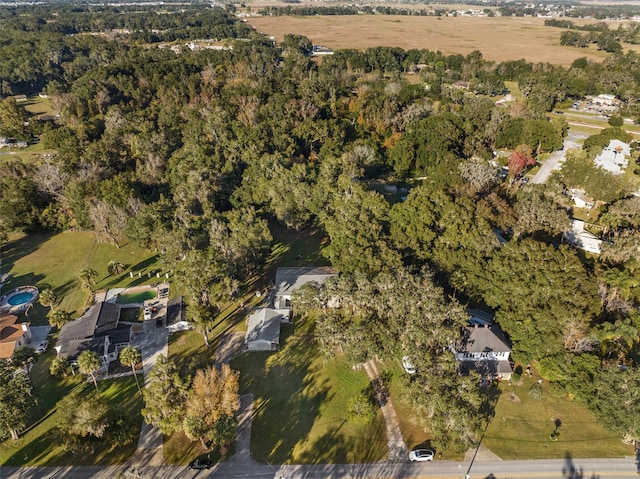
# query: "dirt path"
[[397, 447]]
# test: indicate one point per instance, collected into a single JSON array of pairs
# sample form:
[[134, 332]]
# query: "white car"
[[408, 365], [42, 347], [147, 313], [421, 455]]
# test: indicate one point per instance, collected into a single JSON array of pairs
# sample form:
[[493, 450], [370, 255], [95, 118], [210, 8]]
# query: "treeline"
[[194, 154]]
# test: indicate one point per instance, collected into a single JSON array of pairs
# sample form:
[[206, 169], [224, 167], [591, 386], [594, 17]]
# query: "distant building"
[[320, 50], [263, 329]]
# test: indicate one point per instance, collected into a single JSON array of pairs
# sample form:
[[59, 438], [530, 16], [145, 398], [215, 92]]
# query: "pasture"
[[498, 38]]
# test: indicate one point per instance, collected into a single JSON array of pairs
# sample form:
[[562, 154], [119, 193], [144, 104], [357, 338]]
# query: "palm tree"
[[89, 363], [130, 356], [58, 318], [115, 267], [47, 298], [88, 278]]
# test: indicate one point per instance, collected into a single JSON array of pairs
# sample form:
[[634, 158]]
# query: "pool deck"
[[7, 307], [111, 296]]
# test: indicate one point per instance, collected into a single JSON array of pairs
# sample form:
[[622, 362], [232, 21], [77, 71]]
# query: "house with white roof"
[[581, 238], [614, 157]]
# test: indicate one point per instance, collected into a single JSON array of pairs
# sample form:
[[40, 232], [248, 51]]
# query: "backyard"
[[56, 260]]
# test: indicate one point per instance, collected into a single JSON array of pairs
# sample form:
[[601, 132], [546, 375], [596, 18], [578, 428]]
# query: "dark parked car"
[[201, 463]]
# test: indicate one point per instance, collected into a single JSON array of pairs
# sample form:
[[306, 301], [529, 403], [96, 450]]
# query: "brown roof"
[[484, 339], [10, 333]]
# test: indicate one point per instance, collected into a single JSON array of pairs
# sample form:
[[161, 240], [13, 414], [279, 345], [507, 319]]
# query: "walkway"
[[397, 447], [152, 342]]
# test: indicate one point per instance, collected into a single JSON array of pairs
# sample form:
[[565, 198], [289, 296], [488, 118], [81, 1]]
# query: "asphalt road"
[[539, 469]]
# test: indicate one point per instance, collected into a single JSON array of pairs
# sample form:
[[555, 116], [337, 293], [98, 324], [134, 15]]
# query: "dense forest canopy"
[[193, 152]]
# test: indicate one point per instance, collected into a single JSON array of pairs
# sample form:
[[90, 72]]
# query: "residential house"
[[263, 329], [484, 349], [97, 330], [614, 157], [581, 238], [580, 199], [13, 335], [263, 325], [290, 279]]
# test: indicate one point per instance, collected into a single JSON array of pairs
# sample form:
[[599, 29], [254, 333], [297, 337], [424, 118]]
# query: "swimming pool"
[[20, 298]]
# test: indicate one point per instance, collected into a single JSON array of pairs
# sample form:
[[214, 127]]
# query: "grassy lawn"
[[55, 261], [39, 444], [300, 402], [521, 427]]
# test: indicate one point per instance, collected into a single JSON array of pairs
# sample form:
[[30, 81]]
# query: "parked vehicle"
[[408, 365], [147, 314], [201, 463], [42, 347], [421, 455]]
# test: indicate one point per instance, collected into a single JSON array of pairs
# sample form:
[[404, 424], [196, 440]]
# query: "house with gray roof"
[[290, 279], [484, 349], [98, 330], [263, 329], [263, 325]]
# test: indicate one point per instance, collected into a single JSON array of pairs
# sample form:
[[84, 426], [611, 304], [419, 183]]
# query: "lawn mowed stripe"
[[300, 402]]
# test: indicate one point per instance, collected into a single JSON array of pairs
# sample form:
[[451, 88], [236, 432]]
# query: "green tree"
[[47, 298], [16, 401], [360, 409], [89, 364], [616, 401], [83, 415], [88, 278], [59, 318], [130, 356], [12, 119], [165, 397], [58, 366], [115, 267], [542, 296]]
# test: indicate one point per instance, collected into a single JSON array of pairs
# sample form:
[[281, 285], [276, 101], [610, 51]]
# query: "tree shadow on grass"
[[13, 250], [287, 394]]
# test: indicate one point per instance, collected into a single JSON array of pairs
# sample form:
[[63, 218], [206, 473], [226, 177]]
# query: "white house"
[[581, 238], [263, 325], [484, 349], [614, 157], [580, 199]]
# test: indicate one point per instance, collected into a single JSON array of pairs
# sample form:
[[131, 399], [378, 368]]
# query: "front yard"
[[300, 403]]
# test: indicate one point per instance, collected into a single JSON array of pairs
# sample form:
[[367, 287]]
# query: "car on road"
[[408, 365], [147, 313], [42, 347], [201, 463], [421, 455]]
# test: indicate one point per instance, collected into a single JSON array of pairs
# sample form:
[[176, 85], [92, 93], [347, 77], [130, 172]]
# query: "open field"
[[498, 38]]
